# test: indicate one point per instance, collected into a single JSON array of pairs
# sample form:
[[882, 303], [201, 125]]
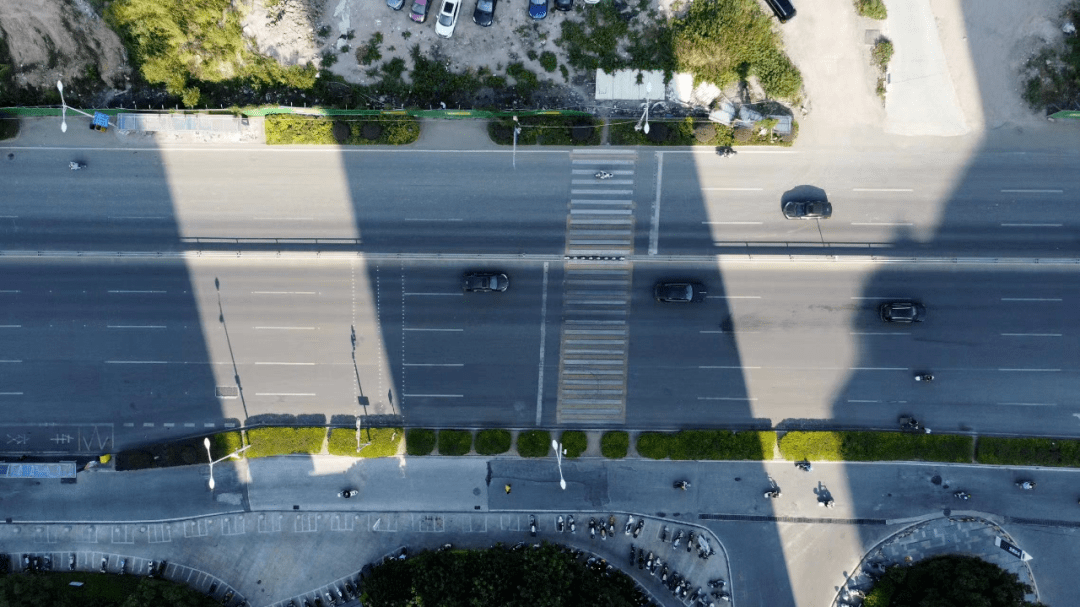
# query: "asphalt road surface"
[[152, 346]]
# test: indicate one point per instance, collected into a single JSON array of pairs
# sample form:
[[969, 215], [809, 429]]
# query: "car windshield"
[[484, 5], [418, 7], [445, 19]]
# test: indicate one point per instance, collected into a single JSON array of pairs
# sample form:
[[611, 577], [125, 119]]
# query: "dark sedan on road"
[[679, 292], [484, 13], [418, 12], [902, 311], [808, 210], [484, 282], [538, 9]]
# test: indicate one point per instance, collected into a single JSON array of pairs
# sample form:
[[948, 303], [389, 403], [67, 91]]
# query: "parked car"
[[808, 210], [395, 4], [419, 10], [485, 282], [902, 311], [447, 18], [564, 5], [679, 292], [782, 9], [538, 9], [484, 13]]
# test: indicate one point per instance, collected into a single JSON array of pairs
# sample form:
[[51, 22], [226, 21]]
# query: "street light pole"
[[63, 112], [206, 443], [558, 460], [645, 116]]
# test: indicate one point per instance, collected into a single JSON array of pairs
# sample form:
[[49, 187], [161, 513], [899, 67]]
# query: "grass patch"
[[369, 53], [374, 442], [419, 441], [604, 40], [574, 442], [655, 445], [615, 444], [267, 442], [876, 446], [455, 442], [293, 129], [547, 130], [875, 9], [534, 443], [722, 445], [493, 442], [1028, 452]]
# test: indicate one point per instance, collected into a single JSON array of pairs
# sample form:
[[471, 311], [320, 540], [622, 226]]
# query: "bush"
[[875, 9], [615, 444], [574, 442], [875, 446], [722, 445], [655, 445], [493, 442], [548, 61], [9, 125], [882, 54], [534, 443], [547, 130], [1028, 452], [292, 129], [267, 442], [419, 441], [375, 442], [455, 442]]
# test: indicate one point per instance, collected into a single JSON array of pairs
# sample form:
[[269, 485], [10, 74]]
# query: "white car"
[[447, 18]]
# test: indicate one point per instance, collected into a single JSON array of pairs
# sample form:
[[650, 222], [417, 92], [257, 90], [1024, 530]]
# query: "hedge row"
[[292, 129], [707, 445], [876, 446]]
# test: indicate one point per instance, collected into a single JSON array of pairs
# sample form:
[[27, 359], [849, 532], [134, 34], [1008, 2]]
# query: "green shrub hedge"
[[455, 442], [574, 442], [876, 446], [615, 444], [534, 443], [493, 442], [419, 441], [293, 129], [655, 445], [1028, 452], [380, 442], [722, 445], [267, 442], [547, 130]]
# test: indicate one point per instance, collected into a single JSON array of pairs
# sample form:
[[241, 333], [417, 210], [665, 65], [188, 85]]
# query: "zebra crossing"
[[595, 337]]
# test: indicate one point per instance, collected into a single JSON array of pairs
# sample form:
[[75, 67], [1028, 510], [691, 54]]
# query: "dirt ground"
[[57, 39]]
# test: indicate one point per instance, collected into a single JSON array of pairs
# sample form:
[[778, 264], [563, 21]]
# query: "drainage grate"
[[227, 392]]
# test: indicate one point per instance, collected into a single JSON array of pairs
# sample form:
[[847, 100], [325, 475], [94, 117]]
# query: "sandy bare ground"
[[58, 39]]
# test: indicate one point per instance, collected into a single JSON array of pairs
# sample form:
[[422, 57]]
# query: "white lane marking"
[[543, 341], [432, 219], [724, 367], [283, 292], [127, 292], [595, 192], [707, 332], [882, 223], [288, 328], [654, 229], [732, 223], [11, 393], [609, 181], [1031, 370], [10, 360], [1031, 225], [732, 297], [10, 326], [418, 329], [287, 364], [284, 394], [139, 217], [136, 326], [886, 333], [451, 294], [10, 291], [283, 218], [1033, 191], [9, 216], [878, 369], [1031, 334], [732, 189], [1030, 299], [882, 190], [169, 424], [136, 362], [888, 298], [208, 425], [435, 395], [1030, 404], [189, 424], [434, 364], [740, 398]]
